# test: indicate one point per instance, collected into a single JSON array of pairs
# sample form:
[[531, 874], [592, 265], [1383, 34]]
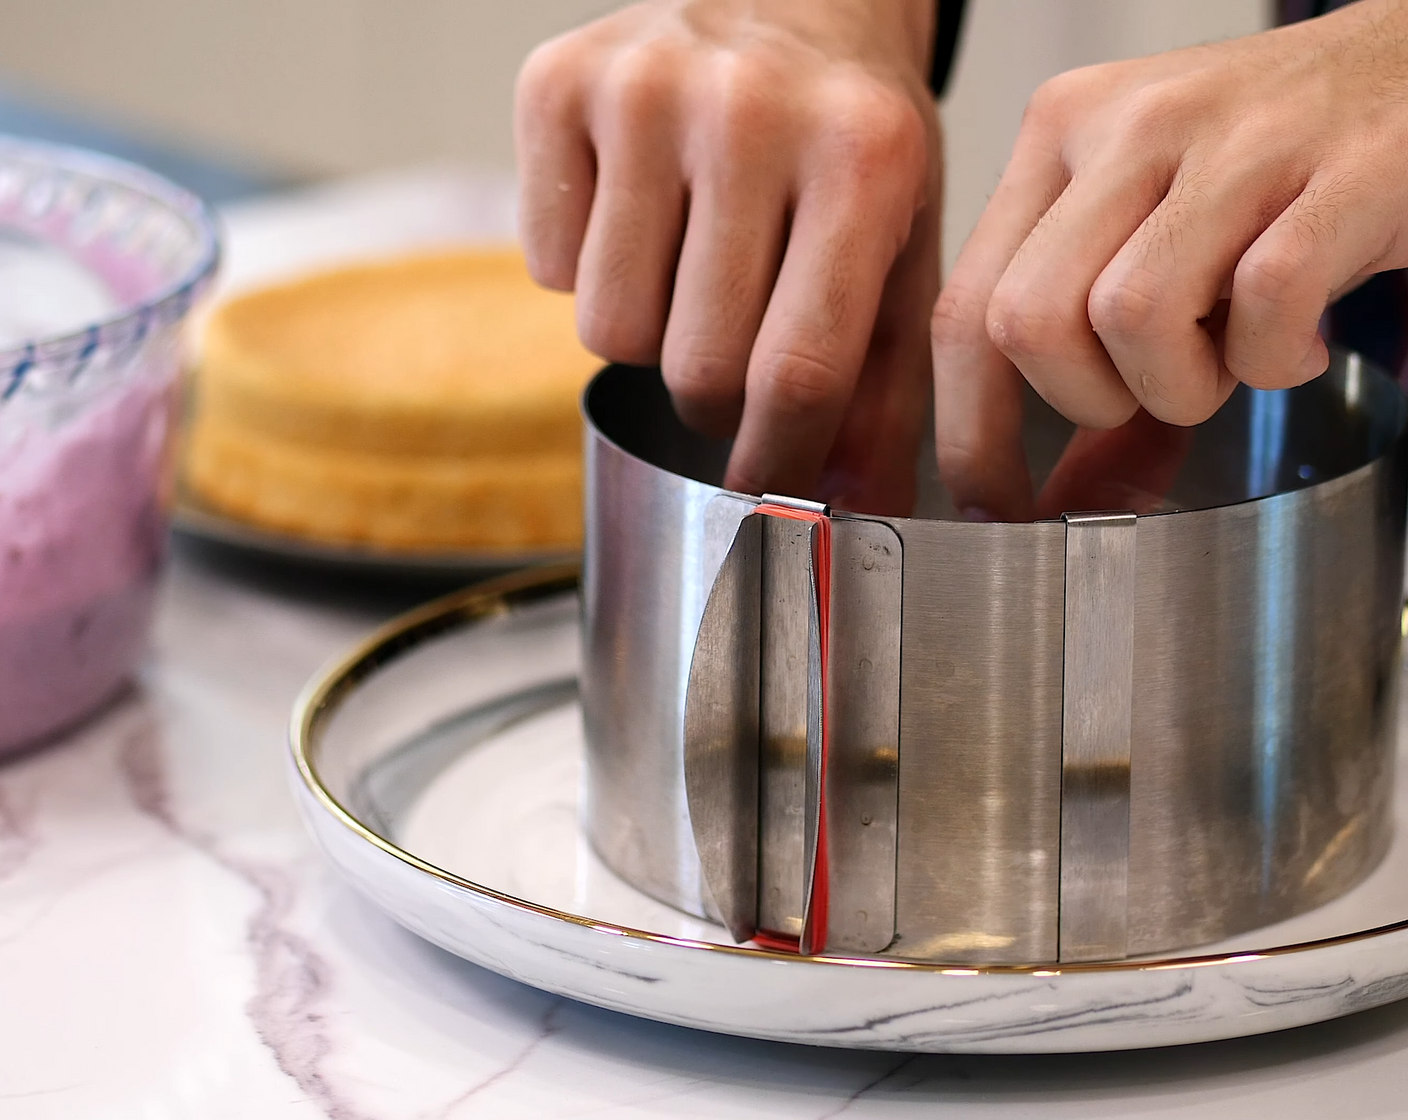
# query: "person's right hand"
[[1168, 228], [747, 193]]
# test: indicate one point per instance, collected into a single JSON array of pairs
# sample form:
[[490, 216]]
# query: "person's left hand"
[[747, 192], [1167, 228]]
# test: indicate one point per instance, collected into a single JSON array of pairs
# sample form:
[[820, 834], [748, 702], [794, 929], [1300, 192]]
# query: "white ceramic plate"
[[440, 768]]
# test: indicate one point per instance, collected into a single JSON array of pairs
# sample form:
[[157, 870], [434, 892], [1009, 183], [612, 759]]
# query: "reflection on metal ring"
[[1230, 665]]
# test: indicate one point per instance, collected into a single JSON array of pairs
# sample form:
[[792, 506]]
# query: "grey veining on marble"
[[172, 946]]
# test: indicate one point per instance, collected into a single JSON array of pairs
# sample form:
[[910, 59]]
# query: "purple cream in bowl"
[[100, 262]]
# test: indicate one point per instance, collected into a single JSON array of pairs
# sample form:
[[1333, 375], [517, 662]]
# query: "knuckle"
[[1054, 100], [1271, 277], [547, 265], [701, 382], [1167, 403], [1099, 406], [802, 382], [1150, 114], [1059, 99], [545, 89], [1278, 294], [961, 454], [745, 98], [1022, 325], [638, 84], [616, 337], [1267, 359], [879, 132], [1126, 306], [958, 316]]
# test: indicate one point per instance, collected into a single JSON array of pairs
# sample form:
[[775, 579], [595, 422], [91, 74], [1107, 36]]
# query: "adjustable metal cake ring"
[[1081, 739], [949, 786]]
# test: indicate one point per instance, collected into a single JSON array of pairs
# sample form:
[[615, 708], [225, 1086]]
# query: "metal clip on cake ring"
[[1080, 739]]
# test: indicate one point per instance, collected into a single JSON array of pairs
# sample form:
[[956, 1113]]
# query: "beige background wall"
[[318, 87], [308, 86]]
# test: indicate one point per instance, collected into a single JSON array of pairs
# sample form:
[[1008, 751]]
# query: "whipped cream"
[[44, 292], [82, 535], [81, 525]]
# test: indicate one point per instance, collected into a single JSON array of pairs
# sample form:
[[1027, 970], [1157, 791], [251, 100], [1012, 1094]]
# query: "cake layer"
[[457, 354], [419, 503]]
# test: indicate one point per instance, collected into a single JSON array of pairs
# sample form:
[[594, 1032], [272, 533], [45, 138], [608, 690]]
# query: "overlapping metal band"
[[1091, 738]]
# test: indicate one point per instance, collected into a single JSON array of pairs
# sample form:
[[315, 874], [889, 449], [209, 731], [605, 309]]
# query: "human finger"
[[728, 264], [556, 163], [977, 390], [632, 239], [1038, 315], [1130, 467], [871, 468], [853, 216], [1334, 231], [1153, 305]]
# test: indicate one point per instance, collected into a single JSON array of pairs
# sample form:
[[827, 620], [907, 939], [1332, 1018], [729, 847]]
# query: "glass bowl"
[[100, 263]]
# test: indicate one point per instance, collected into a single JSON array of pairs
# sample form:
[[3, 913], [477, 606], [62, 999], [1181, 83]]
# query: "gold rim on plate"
[[321, 697]]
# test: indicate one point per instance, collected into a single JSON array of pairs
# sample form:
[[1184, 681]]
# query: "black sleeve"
[[949, 24], [1292, 11]]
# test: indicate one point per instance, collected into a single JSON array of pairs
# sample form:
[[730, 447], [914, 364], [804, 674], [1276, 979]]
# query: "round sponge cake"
[[429, 403]]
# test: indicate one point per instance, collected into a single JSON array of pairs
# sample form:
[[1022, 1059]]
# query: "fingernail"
[[977, 513]]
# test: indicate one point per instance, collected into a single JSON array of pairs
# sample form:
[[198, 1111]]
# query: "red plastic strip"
[[777, 942], [813, 937]]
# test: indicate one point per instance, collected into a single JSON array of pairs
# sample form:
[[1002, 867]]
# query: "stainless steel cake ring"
[[1082, 739]]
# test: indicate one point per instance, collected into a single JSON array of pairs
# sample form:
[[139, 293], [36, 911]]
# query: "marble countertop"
[[172, 946]]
